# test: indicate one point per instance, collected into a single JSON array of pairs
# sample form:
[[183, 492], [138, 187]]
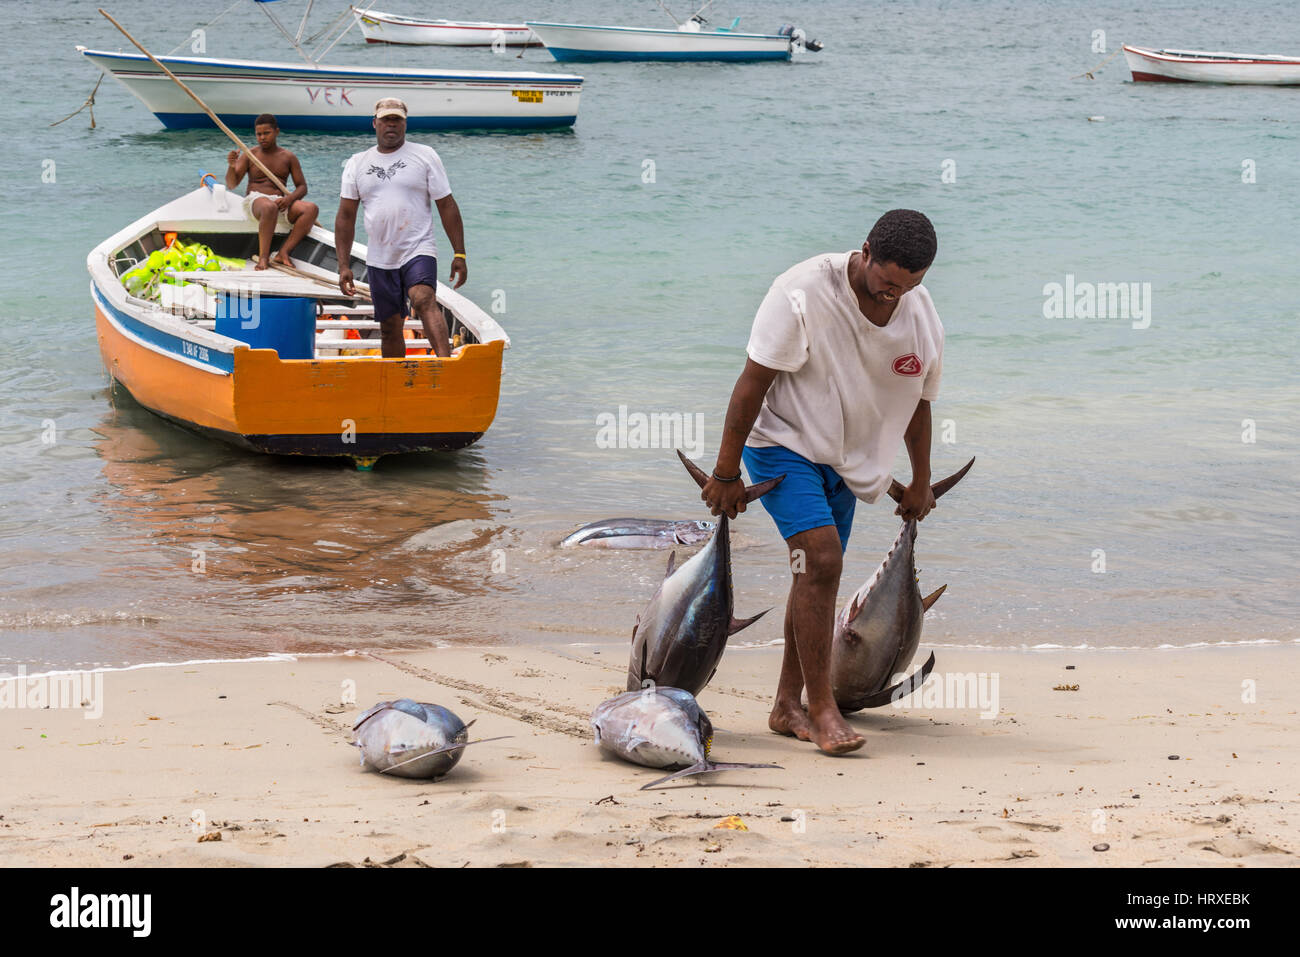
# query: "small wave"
[[51, 620]]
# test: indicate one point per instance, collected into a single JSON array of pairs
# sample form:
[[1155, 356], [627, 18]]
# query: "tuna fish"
[[411, 739], [639, 533], [679, 638], [659, 728], [877, 632]]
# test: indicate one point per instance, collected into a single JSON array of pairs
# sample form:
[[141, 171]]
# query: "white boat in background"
[[306, 96], [379, 27], [313, 96], [1200, 66], [586, 43]]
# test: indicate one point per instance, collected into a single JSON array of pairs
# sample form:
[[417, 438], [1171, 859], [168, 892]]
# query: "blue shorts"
[[811, 496], [389, 287]]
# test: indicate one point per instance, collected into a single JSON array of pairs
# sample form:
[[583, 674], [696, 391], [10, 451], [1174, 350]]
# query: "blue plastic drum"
[[269, 322]]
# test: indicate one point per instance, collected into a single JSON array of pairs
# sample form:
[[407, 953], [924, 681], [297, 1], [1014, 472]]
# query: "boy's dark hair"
[[904, 237], [266, 119]]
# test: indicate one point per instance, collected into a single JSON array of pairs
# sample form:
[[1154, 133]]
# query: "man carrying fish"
[[844, 359], [399, 182]]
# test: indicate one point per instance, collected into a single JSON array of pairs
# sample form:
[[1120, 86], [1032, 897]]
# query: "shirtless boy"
[[268, 203]]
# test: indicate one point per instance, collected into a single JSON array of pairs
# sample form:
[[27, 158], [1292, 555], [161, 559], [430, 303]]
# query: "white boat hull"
[[379, 27], [570, 42], [1199, 66], [303, 96]]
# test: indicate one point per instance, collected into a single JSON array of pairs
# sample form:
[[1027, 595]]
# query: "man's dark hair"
[[266, 119], [904, 237]]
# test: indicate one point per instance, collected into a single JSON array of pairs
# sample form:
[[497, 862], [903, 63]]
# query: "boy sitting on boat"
[[265, 201]]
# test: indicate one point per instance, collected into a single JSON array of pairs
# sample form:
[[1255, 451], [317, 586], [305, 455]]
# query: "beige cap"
[[390, 106]]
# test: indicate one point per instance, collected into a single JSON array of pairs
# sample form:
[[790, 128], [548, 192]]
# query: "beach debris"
[[1174, 757], [679, 638], [660, 727], [877, 632], [209, 836], [731, 823], [1069, 667], [1101, 847], [1066, 688], [639, 533], [411, 739]]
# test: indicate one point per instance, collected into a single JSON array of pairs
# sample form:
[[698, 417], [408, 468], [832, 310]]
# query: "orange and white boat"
[[248, 356]]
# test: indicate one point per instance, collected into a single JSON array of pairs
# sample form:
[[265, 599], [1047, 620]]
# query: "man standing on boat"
[[264, 199], [399, 182], [845, 357]]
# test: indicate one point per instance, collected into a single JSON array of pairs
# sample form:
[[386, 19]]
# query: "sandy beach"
[[248, 763]]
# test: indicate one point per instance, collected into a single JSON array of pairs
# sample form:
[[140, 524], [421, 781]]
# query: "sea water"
[[1134, 483]]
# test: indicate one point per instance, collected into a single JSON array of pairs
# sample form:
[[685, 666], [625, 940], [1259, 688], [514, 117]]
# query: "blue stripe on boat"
[[568, 55], [189, 121], [216, 360]]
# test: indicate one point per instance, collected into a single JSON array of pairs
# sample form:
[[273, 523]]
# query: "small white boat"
[[584, 43], [379, 27], [1201, 66]]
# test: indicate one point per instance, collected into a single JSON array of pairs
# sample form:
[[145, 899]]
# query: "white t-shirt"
[[397, 190], [846, 388]]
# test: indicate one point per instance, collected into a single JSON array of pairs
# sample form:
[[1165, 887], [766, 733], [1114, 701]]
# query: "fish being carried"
[[660, 728], [879, 630], [412, 739], [679, 638], [639, 533]]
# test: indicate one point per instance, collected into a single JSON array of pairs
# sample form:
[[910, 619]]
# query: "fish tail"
[[706, 767], [895, 490], [752, 492]]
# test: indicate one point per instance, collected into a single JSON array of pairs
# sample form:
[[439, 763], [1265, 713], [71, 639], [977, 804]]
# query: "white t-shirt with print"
[[397, 191], [846, 388]]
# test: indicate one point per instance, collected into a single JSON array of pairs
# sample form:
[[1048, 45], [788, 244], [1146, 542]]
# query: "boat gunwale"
[[1213, 57], [658, 31], [493, 77]]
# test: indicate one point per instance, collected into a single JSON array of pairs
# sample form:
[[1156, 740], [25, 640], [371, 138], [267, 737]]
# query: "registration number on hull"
[[529, 96]]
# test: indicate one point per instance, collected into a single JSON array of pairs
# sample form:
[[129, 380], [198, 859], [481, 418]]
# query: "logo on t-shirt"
[[907, 365], [385, 173]]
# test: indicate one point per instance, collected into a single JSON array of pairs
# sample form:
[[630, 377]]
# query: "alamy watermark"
[[76, 689], [953, 689], [1098, 300], [651, 430]]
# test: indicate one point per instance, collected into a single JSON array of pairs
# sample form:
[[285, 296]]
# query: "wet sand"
[[258, 753]]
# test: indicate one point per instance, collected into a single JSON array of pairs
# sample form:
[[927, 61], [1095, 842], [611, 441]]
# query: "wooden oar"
[[195, 97], [363, 290]]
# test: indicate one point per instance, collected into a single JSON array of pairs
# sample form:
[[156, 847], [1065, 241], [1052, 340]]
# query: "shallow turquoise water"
[[1089, 434]]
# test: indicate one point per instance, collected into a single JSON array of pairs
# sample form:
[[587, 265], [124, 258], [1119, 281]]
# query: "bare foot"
[[789, 719], [832, 734], [282, 259], [262, 263]]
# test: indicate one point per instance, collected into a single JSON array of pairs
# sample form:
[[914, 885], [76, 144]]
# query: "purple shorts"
[[390, 287]]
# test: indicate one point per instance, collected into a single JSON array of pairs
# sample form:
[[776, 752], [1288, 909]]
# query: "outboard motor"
[[798, 39]]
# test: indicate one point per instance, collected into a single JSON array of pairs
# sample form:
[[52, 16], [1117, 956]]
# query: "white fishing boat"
[[274, 360], [1201, 66], [379, 27], [586, 43], [314, 96]]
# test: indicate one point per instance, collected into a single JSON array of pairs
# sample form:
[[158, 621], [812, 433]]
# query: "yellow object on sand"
[[732, 823]]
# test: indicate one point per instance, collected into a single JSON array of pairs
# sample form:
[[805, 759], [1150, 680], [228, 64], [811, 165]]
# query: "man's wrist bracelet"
[[460, 256], [720, 478]]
